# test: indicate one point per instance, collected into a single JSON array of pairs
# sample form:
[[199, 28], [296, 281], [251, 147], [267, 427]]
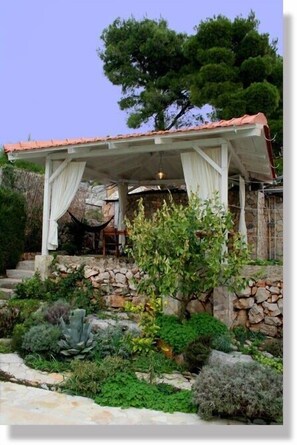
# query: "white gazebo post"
[[224, 175], [123, 201], [46, 205]]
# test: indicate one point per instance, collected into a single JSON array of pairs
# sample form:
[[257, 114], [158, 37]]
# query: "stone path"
[[28, 405]]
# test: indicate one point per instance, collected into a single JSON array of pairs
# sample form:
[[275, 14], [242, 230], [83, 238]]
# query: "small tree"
[[187, 250]]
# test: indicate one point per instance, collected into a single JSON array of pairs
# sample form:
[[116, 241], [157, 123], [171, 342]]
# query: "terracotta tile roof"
[[237, 121]]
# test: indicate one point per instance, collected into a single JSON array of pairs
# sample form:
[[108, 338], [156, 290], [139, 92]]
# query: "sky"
[[52, 84]]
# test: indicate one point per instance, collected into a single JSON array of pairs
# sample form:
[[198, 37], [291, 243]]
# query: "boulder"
[[262, 295], [230, 358], [244, 303], [256, 314]]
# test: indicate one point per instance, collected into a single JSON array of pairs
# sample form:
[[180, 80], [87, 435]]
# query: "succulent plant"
[[78, 340]]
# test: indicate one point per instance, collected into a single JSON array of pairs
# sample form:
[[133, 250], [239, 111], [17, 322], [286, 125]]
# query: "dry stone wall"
[[258, 307]]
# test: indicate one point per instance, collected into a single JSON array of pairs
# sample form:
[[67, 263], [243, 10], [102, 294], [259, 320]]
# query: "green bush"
[[222, 343], [87, 377], [274, 346], [113, 341], [197, 352], [161, 364], [18, 333], [243, 390], [42, 338], [32, 288], [12, 228], [125, 390], [26, 307], [36, 361], [8, 319], [179, 334]]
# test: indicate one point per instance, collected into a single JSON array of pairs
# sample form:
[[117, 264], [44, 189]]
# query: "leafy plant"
[[183, 250], [162, 364], [125, 390], [197, 352], [273, 346], [78, 340], [32, 288], [179, 334], [5, 348], [8, 319], [271, 362], [18, 333], [247, 390], [25, 307], [222, 343], [43, 338], [12, 228]]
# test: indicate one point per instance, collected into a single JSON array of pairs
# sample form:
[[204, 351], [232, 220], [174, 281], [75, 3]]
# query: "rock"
[[280, 305], [90, 273], [120, 278], [271, 308], [256, 314], [244, 303], [129, 275], [244, 293], [195, 306], [274, 290], [230, 358], [264, 329], [273, 321], [241, 318], [115, 301], [123, 270], [275, 298], [261, 295]]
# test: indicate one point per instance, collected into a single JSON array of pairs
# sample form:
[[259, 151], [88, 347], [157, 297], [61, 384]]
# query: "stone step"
[[5, 294], [26, 265], [19, 273], [9, 283]]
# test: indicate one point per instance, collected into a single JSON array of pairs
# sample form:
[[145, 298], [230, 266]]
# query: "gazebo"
[[204, 158]]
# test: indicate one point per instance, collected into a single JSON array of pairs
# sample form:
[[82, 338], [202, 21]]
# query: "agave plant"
[[78, 340]]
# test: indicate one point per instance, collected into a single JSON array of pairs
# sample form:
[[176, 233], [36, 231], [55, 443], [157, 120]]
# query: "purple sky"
[[52, 84]]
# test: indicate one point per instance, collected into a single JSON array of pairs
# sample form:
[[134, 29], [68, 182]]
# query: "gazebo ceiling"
[[135, 158]]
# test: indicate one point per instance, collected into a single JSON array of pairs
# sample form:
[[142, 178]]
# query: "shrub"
[[32, 288], [113, 341], [8, 319], [36, 361], [87, 377], [222, 343], [179, 334], [53, 312], [162, 364], [12, 228], [43, 338], [18, 333], [26, 307], [197, 352], [273, 346], [246, 390]]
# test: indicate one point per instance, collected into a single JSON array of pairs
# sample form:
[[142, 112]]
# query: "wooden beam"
[[207, 159], [237, 161], [59, 170]]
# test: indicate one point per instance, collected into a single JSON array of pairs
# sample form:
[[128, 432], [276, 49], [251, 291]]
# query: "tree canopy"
[[168, 77]]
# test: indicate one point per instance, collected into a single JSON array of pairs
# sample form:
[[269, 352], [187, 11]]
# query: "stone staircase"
[[24, 270]]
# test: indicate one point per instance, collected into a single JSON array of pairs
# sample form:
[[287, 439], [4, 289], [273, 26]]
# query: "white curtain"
[[242, 224], [200, 177], [64, 188]]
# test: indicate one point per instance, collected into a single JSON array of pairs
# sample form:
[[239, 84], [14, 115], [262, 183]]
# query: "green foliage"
[[183, 250], [87, 377], [222, 343], [12, 228], [167, 77], [270, 362], [245, 390], [77, 339], [113, 341], [8, 319], [74, 289], [125, 390], [25, 307], [42, 338], [273, 346], [146, 59], [197, 353], [5, 348], [23, 165], [242, 334], [147, 322], [18, 333], [37, 361], [179, 334]]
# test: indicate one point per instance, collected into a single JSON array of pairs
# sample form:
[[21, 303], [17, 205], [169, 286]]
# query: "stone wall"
[[258, 307]]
